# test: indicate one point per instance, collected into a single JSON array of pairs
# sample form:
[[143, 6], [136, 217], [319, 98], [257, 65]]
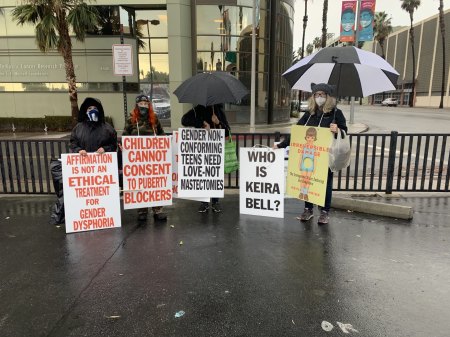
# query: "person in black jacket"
[[210, 117], [322, 113], [92, 133]]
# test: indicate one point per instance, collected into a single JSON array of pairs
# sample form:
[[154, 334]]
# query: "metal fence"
[[380, 163]]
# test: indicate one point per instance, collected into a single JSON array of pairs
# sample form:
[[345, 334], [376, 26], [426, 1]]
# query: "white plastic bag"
[[340, 152]]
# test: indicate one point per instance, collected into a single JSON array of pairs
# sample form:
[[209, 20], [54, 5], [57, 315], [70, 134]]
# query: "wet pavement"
[[233, 275]]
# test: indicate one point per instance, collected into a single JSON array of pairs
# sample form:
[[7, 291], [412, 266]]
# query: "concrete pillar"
[[180, 53]]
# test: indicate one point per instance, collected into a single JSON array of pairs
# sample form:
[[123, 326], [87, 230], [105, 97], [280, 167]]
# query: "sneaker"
[[161, 216], [216, 207], [306, 215], [204, 206], [323, 218]]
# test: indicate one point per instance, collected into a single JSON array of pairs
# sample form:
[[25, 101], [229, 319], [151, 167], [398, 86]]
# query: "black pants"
[[329, 192]]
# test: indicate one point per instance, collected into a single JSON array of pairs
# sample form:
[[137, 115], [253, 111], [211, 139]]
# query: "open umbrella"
[[355, 72], [211, 88]]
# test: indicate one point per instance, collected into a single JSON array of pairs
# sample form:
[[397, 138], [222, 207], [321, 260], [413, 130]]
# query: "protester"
[[322, 113], [210, 117], [91, 134], [144, 122]]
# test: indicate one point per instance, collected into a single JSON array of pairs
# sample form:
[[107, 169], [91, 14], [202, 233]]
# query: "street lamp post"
[[146, 22]]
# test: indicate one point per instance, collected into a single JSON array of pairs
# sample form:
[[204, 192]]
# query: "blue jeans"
[[329, 192]]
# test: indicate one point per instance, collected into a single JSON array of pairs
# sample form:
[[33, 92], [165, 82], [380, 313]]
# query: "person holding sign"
[[92, 133], [144, 122], [322, 113], [210, 117]]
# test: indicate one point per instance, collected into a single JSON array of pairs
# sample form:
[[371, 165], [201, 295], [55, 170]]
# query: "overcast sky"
[[391, 7]]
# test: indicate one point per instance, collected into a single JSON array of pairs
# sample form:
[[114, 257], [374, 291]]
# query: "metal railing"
[[380, 163]]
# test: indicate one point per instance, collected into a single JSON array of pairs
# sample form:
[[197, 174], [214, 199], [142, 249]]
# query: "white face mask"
[[347, 26], [320, 101], [365, 24]]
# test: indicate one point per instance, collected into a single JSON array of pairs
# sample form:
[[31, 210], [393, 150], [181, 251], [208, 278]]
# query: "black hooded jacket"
[[90, 136], [196, 116]]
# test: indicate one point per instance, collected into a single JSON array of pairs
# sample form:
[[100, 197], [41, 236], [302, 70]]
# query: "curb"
[[373, 207]]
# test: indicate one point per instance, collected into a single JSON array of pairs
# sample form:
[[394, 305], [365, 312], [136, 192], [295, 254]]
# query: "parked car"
[[162, 108], [304, 106], [390, 102]]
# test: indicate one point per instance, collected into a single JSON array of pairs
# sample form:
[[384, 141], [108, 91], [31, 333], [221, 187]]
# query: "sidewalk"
[[225, 274]]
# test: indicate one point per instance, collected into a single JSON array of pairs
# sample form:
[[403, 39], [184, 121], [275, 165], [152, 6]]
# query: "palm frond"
[[26, 14], [46, 37], [83, 18]]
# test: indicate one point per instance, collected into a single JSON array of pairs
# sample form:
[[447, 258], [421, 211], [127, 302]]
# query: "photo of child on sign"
[[308, 163]]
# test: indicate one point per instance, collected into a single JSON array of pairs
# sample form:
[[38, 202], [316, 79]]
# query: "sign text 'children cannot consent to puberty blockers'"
[[147, 171]]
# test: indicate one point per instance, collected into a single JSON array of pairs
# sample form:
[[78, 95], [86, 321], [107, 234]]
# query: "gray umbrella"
[[211, 88]]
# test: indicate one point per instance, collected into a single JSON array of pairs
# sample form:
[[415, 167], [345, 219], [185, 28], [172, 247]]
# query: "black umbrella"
[[355, 72], [211, 88]]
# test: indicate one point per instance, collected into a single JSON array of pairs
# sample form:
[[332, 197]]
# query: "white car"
[[304, 106], [162, 108], [389, 102]]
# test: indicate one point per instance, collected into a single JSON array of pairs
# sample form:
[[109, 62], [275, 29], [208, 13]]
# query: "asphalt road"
[[232, 275]]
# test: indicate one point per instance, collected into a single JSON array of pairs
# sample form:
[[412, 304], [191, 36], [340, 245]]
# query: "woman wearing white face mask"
[[322, 113]]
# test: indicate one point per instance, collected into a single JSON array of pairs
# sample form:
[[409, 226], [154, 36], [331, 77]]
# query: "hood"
[[89, 101]]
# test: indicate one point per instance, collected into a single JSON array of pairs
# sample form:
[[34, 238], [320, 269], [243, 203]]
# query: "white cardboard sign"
[[91, 191], [123, 59], [261, 182], [201, 163], [147, 171]]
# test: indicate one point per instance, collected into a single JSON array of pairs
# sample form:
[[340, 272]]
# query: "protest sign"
[[201, 163], [147, 171], [308, 163], [91, 191], [261, 182], [175, 158]]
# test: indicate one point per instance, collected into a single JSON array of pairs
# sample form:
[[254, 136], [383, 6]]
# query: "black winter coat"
[[90, 136], [307, 119], [196, 116]]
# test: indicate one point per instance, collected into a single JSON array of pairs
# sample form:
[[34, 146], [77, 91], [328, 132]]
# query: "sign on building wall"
[[91, 191], [122, 59]]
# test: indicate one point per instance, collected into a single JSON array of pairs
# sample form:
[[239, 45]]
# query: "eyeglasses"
[[320, 94]]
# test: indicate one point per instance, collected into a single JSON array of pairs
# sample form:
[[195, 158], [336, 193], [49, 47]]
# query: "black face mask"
[[143, 111]]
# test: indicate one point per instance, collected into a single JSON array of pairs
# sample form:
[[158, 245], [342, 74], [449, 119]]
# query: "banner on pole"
[[366, 21], [308, 163], [91, 191], [147, 171], [201, 163], [261, 184], [348, 16]]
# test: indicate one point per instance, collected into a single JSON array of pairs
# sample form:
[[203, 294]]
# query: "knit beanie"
[[328, 89]]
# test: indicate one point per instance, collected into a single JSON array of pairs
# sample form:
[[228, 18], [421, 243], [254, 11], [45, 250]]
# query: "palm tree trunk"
[[66, 51], [413, 87], [442, 26], [324, 23], [305, 21]]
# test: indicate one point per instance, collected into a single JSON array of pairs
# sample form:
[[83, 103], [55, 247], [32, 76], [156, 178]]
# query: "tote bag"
[[231, 163]]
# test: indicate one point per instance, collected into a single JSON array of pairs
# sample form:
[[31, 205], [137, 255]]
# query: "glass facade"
[[224, 43]]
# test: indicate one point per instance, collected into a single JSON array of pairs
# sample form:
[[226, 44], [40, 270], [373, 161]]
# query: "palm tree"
[[52, 19], [317, 42], [305, 22], [382, 29], [410, 6], [309, 48], [442, 25], [324, 23]]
